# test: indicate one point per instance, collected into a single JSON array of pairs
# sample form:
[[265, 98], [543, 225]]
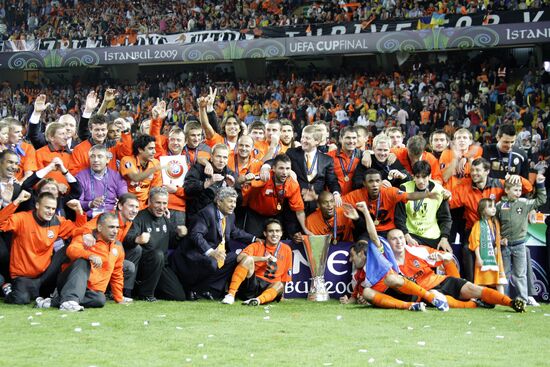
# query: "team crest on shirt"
[[149, 230], [164, 229], [492, 197], [516, 161], [51, 234], [416, 263], [114, 251], [268, 192], [495, 165], [519, 210], [128, 164]]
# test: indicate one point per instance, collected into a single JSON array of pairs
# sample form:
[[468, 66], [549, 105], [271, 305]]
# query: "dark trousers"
[[130, 268], [468, 258], [72, 285], [25, 289], [202, 274], [154, 277]]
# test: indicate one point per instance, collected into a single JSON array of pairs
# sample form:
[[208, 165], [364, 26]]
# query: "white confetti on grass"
[[187, 360], [327, 364], [421, 343], [266, 318], [29, 318], [211, 335], [362, 351], [161, 316], [63, 316], [410, 328], [469, 323], [2, 316], [468, 333], [77, 329], [546, 314], [427, 326], [418, 364], [251, 355], [205, 356], [38, 313], [145, 322], [201, 345], [179, 328], [396, 341], [398, 361], [500, 337], [95, 324], [339, 317], [371, 360], [35, 323]]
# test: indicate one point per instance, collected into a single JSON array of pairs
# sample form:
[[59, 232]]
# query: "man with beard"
[[263, 269], [141, 170], [153, 232]]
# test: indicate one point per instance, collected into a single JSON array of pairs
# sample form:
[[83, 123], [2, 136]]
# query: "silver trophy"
[[317, 253]]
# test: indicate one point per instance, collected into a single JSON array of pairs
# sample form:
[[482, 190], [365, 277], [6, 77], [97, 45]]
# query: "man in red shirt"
[[263, 269]]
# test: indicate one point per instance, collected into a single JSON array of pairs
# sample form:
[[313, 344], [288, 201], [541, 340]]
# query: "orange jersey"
[[402, 155], [267, 199], [81, 158], [278, 272], [253, 166], [32, 241], [27, 159], [447, 157], [218, 139], [131, 164], [320, 226], [46, 154], [421, 271], [161, 141], [381, 209], [344, 167], [467, 196], [110, 273]]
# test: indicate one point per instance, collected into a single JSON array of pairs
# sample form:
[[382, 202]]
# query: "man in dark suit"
[[201, 185], [204, 262], [314, 172]]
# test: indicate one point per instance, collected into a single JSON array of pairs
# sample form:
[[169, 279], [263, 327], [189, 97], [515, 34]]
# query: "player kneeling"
[[263, 269]]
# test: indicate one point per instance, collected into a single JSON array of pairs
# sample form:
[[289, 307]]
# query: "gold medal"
[[138, 188], [279, 206], [346, 178], [376, 222], [335, 241]]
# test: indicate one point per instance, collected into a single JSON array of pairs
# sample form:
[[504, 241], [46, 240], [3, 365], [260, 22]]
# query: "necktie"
[[221, 246], [308, 162]]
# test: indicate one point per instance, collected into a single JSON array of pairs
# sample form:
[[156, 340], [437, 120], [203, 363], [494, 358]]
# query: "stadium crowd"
[[142, 189], [29, 20]]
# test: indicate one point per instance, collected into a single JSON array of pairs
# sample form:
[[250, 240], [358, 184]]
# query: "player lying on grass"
[[377, 274], [263, 269], [417, 263]]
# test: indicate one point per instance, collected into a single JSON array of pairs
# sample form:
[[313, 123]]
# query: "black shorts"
[[451, 286], [252, 287], [400, 296]]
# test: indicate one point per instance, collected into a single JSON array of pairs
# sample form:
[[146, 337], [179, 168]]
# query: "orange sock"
[[455, 303], [384, 301], [493, 297], [451, 270], [414, 289], [268, 295], [236, 280]]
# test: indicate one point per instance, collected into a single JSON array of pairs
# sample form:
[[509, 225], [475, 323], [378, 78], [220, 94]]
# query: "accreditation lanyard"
[[418, 205], [189, 156], [279, 194], [347, 170], [226, 142], [105, 183], [376, 221], [509, 160]]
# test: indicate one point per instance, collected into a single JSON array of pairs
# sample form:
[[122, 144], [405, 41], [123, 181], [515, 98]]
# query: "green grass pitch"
[[290, 333]]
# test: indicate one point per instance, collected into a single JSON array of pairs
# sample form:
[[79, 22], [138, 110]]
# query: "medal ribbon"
[[347, 170]]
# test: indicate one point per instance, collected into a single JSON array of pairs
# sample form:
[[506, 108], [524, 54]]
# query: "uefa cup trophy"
[[317, 253]]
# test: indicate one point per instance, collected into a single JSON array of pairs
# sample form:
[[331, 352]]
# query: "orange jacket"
[[110, 273], [32, 241]]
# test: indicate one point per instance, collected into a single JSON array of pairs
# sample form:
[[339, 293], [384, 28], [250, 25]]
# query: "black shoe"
[[147, 298], [207, 295], [483, 304], [192, 296], [518, 304]]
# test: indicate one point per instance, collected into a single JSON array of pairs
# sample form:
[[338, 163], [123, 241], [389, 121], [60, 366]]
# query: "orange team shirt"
[[281, 272], [253, 166], [341, 165], [110, 273], [467, 196], [27, 160], [420, 271], [131, 164], [45, 155], [32, 242], [218, 139], [446, 159], [319, 226], [122, 232], [263, 197], [81, 159], [487, 277], [403, 155], [389, 197]]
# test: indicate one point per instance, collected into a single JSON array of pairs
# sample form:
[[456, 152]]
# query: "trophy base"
[[318, 297]]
